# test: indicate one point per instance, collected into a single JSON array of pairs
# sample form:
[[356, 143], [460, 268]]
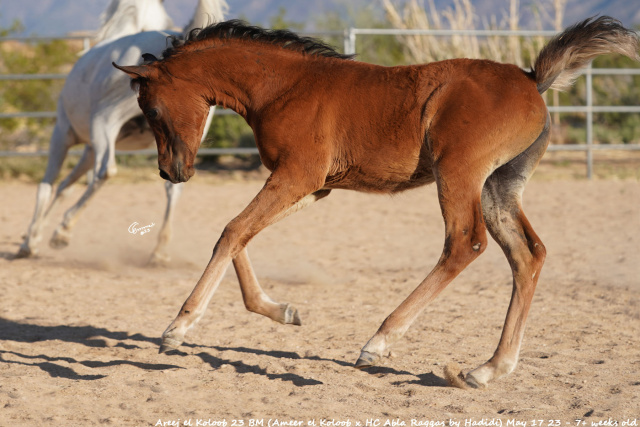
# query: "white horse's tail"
[[207, 12]]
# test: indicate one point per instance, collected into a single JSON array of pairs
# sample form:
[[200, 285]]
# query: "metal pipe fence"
[[349, 36]]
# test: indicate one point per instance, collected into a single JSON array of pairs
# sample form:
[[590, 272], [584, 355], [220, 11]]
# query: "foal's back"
[[397, 122]]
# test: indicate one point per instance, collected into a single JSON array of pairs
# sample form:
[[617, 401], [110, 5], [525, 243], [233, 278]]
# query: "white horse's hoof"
[[25, 252], [60, 239], [159, 260]]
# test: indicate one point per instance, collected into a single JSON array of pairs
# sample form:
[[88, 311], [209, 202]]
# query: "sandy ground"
[[80, 327]]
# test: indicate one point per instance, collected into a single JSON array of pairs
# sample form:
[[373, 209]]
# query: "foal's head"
[[176, 112]]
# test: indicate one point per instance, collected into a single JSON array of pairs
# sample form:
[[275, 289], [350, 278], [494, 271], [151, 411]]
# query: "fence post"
[[589, 76], [349, 41], [345, 41]]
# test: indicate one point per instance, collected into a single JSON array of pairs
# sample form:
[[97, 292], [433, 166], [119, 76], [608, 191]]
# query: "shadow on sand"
[[91, 336]]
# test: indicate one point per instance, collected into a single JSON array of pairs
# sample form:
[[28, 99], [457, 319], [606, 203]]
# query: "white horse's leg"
[[160, 255], [84, 164], [207, 125], [102, 169], [61, 139]]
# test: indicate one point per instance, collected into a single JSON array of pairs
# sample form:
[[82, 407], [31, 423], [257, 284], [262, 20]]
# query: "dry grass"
[[414, 14], [563, 165]]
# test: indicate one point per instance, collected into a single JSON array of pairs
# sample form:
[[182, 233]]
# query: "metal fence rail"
[[349, 36]]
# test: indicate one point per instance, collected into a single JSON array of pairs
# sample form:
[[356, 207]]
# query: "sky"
[[59, 17]]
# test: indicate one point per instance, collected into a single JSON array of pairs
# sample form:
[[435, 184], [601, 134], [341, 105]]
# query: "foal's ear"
[[134, 71]]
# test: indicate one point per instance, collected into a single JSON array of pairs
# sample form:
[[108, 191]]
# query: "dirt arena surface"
[[80, 327]]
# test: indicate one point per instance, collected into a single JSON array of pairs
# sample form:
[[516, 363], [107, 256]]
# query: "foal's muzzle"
[[177, 172]]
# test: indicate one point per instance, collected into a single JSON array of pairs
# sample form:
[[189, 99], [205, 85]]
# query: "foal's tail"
[[560, 61]]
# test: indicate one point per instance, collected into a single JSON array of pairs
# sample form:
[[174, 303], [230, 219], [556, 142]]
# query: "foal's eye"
[[153, 114]]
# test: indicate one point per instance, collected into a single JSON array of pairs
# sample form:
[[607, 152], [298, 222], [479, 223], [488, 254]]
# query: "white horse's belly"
[[137, 141], [76, 103]]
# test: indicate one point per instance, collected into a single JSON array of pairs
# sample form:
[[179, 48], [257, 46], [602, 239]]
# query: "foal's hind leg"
[[460, 197], [255, 299], [505, 219]]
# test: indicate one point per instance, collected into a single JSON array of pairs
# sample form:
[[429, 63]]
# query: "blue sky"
[[58, 17]]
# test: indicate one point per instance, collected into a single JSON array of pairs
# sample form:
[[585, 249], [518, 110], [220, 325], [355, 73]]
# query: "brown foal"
[[476, 128]]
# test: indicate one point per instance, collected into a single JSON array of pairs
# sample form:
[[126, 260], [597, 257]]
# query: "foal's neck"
[[244, 78]]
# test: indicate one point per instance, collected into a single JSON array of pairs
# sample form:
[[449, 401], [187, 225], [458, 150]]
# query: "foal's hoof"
[[366, 360], [291, 316], [473, 382], [169, 344], [482, 375], [60, 239]]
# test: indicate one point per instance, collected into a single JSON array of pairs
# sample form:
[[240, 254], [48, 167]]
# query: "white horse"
[[124, 17], [97, 108]]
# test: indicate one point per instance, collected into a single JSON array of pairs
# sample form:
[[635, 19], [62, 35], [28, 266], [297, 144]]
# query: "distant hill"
[[59, 17]]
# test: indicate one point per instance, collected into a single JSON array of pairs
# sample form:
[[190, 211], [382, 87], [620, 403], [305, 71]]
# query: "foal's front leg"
[[255, 299], [281, 194]]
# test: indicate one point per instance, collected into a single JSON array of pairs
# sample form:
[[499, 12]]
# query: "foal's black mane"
[[237, 29]]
